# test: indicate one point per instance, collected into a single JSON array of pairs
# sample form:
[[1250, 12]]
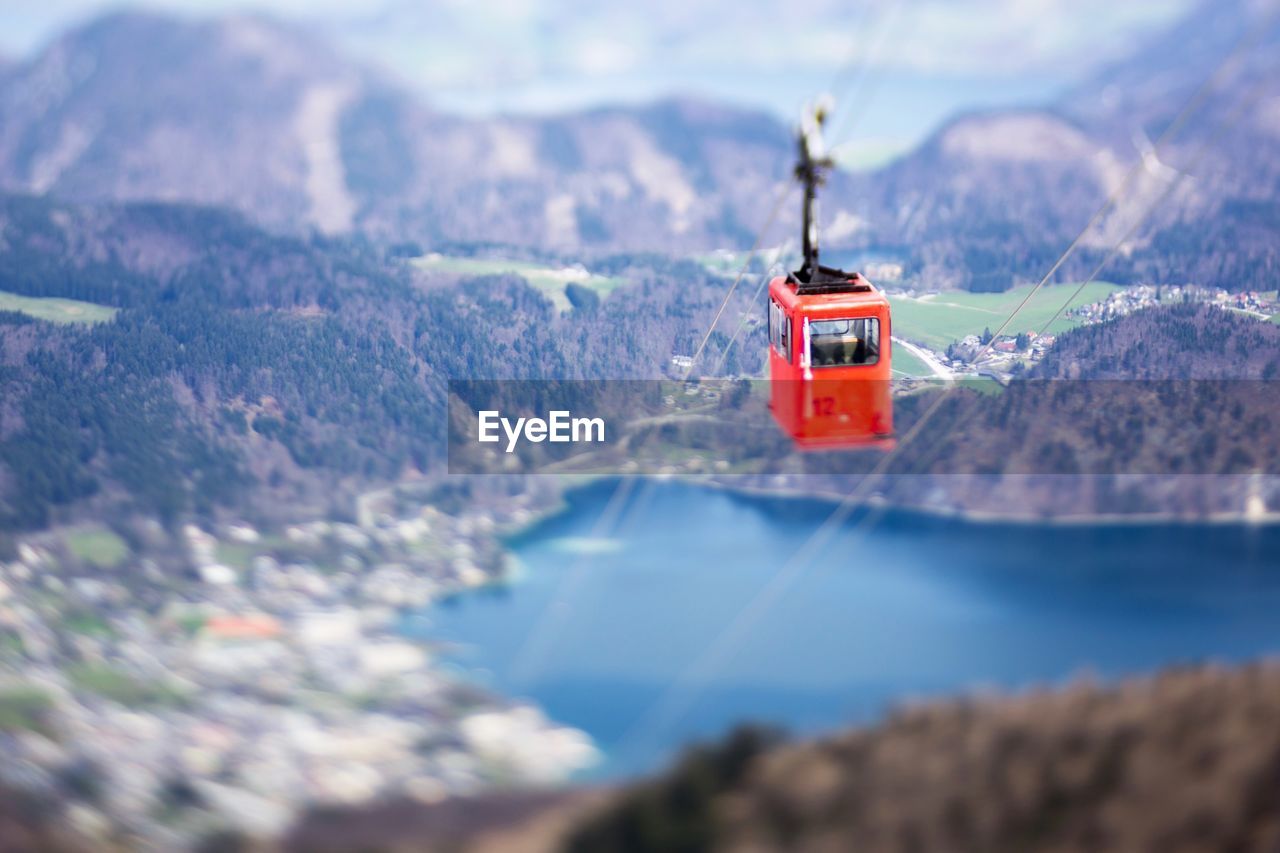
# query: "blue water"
[[916, 608]]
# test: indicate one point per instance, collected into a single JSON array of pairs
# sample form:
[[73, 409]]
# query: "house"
[[255, 626]]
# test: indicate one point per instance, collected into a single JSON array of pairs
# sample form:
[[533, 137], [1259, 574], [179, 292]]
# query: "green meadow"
[[905, 363], [937, 319], [97, 546], [56, 310], [548, 280]]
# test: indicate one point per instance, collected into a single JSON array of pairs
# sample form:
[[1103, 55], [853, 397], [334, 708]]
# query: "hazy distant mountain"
[[254, 115], [987, 198], [1221, 60], [138, 106], [997, 196], [674, 175], [1149, 87], [264, 118]]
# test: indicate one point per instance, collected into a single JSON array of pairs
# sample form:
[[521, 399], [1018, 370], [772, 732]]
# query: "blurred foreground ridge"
[[1187, 760]]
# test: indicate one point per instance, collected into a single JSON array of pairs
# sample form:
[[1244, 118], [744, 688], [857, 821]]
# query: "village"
[[250, 687], [1137, 297], [1006, 356]]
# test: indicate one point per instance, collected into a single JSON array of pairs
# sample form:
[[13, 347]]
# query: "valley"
[[244, 587], [938, 320]]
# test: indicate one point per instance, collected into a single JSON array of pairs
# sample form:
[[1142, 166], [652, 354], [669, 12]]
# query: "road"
[[939, 369]]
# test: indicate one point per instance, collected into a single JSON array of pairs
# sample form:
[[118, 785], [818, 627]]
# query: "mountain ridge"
[[300, 139], [247, 113]]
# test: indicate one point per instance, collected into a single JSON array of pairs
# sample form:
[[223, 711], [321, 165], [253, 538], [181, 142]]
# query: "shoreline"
[[995, 518], [1270, 518]]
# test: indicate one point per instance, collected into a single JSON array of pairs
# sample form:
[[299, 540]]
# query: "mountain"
[[252, 371], [1150, 86], [264, 118], [1182, 761], [675, 175], [1174, 342], [138, 106], [987, 200], [339, 353], [234, 358], [248, 113], [1185, 760], [1219, 64], [994, 198]]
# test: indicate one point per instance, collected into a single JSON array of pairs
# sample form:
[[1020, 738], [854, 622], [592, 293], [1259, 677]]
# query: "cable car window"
[[844, 343], [779, 330]]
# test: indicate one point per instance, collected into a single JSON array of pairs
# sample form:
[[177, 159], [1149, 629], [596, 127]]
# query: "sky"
[[896, 68]]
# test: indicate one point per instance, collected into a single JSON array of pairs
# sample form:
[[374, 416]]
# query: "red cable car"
[[829, 362], [830, 356]]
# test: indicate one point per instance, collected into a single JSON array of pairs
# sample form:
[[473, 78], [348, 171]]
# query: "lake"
[[596, 629]]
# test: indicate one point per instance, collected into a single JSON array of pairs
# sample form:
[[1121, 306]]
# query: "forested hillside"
[[288, 359], [1188, 341], [243, 364], [1183, 761]]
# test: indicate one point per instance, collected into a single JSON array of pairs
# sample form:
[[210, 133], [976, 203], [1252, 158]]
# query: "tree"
[[582, 298]]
